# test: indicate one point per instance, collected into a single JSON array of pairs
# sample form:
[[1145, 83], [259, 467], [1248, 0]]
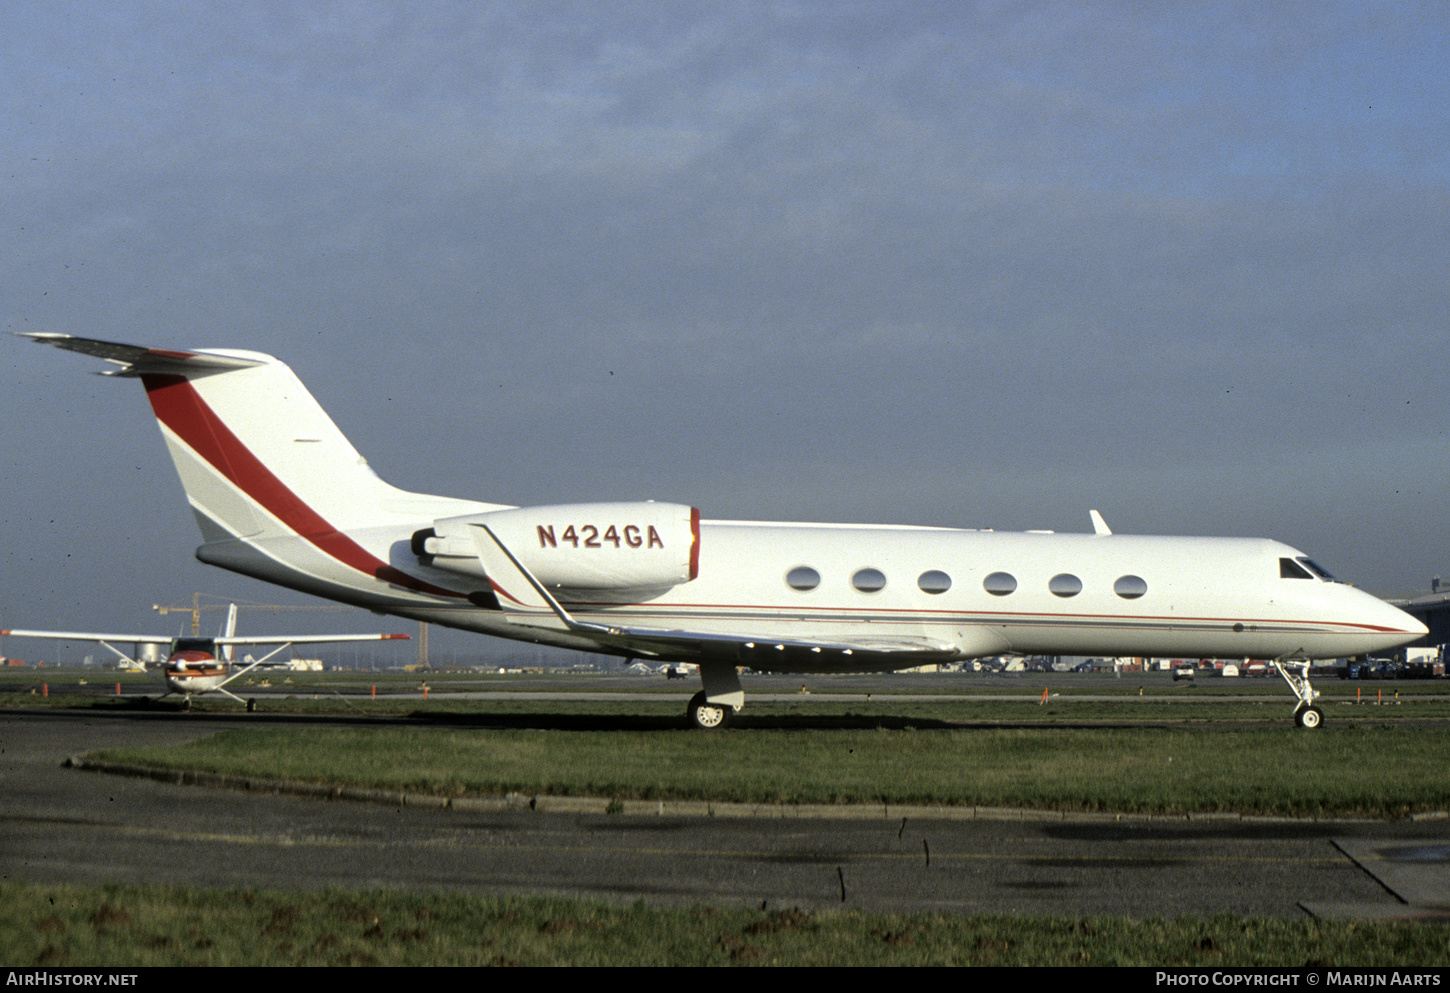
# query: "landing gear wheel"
[[706, 716], [1308, 718]]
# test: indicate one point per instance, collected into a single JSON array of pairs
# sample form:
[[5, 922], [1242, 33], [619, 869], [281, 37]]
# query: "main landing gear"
[[713, 707], [1306, 715], [703, 715]]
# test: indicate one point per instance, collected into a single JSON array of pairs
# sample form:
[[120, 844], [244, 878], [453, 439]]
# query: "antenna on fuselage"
[[1100, 526]]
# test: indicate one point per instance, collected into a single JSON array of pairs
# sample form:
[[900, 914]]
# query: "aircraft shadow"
[[553, 721]]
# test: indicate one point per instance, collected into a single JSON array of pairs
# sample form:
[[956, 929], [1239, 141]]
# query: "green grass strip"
[[1382, 771], [165, 926]]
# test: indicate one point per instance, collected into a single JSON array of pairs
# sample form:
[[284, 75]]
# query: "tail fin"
[[256, 453], [260, 460], [229, 630]]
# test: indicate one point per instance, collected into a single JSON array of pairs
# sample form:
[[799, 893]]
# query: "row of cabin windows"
[[934, 581]]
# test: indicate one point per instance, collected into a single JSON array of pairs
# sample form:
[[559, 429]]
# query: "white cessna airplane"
[[199, 665], [281, 495]]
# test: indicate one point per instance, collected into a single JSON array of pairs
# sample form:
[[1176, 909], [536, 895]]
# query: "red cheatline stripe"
[[499, 589], [181, 408], [694, 542]]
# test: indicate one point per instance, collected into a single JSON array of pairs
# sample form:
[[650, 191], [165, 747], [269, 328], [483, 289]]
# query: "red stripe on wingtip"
[[181, 408]]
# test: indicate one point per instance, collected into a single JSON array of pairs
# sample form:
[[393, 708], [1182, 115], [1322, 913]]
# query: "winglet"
[[513, 583], [500, 564], [1100, 526]]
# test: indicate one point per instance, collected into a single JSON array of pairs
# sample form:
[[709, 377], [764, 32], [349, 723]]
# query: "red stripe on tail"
[[181, 408]]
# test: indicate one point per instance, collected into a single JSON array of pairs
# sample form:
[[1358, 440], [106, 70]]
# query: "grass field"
[[162, 926], [1139, 744], [1373, 771]]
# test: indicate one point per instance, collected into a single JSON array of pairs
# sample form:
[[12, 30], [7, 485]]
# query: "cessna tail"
[[282, 496]]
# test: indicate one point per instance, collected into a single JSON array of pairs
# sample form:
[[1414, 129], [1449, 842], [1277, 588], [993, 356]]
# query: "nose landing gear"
[[1308, 718], [1296, 674]]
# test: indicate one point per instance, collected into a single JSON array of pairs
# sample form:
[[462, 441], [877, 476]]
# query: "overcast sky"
[[986, 265]]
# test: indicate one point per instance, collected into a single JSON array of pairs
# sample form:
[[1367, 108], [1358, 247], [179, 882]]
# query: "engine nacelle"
[[583, 546]]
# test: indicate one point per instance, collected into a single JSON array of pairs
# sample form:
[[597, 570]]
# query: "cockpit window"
[[1289, 569], [1315, 568]]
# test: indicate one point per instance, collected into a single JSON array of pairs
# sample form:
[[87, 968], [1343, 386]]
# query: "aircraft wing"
[[762, 648], [303, 639], [770, 649], [166, 639], [143, 639]]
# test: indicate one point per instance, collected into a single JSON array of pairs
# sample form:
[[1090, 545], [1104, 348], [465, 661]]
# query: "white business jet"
[[197, 665], [282, 496]]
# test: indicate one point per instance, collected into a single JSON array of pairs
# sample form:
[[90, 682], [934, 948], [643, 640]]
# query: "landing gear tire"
[[1308, 718], [703, 715]]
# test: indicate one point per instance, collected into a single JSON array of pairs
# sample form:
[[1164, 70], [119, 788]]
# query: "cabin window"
[[999, 583], [1064, 585], [934, 581], [1289, 569], [1130, 587], [869, 580], [803, 578]]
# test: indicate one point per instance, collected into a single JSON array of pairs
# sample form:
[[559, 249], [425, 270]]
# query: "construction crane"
[[197, 607]]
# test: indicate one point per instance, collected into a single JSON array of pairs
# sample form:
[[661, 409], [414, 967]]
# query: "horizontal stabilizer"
[[136, 360]]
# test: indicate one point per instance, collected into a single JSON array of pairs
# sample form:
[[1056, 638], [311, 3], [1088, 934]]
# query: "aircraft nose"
[[1393, 619], [1381, 625]]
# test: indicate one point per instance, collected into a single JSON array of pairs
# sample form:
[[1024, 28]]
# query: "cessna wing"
[[303, 639], [166, 639], [135, 639], [198, 665]]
